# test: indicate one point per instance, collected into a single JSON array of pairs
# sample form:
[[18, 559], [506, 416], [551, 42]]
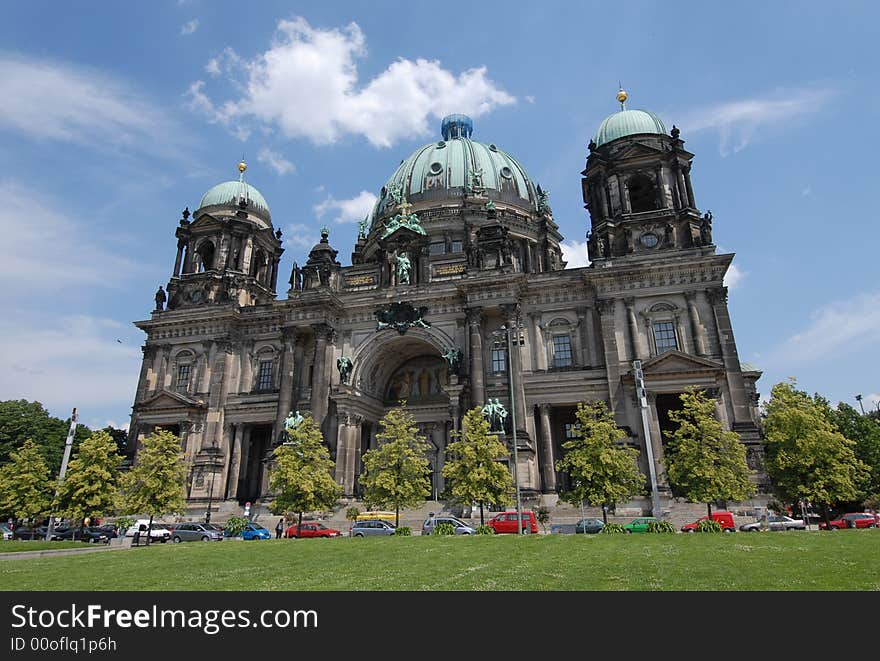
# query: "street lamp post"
[[862, 406], [506, 329]]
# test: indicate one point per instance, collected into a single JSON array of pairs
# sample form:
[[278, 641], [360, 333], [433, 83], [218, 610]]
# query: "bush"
[[124, 523], [235, 525], [403, 531], [485, 530], [660, 526], [708, 525], [611, 528], [444, 528], [352, 513], [542, 514]]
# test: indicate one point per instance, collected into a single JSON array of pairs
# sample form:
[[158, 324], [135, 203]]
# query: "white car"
[[775, 522], [158, 532]]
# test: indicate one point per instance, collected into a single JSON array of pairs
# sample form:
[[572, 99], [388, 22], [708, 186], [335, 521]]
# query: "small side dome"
[[628, 122], [231, 192]]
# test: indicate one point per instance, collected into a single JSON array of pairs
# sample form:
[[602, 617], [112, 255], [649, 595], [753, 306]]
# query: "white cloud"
[[836, 326], [347, 211], [189, 27], [575, 253], [276, 161], [306, 84], [300, 236], [873, 398], [67, 361], [54, 101], [530, 99], [739, 123], [734, 276]]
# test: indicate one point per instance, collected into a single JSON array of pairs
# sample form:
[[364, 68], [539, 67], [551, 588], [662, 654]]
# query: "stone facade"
[[227, 360]]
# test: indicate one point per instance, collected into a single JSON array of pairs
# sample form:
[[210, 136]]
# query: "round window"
[[436, 168], [492, 147], [441, 145], [506, 172], [649, 240]]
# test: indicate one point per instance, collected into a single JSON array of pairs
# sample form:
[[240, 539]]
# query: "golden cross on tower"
[[405, 207]]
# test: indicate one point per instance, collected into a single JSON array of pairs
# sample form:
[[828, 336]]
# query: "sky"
[[115, 116]]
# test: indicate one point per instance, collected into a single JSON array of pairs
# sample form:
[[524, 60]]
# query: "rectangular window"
[[183, 372], [456, 246], [571, 430], [265, 380], [499, 359], [561, 351], [438, 248], [664, 336]]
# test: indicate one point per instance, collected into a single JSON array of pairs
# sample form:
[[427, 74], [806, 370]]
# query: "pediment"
[[638, 150], [166, 399], [671, 362]]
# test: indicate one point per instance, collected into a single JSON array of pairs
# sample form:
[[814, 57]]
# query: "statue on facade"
[[160, 299], [453, 359], [296, 277], [706, 229], [344, 365], [292, 420], [404, 268], [495, 413], [544, 201], [362, 229]]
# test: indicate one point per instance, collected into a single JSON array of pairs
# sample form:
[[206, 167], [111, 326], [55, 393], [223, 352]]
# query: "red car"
[[505, 522], [312, 530], [723, 518], [853, 520]]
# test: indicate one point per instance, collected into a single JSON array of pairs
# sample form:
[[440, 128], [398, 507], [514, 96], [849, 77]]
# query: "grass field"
[[38, 545], [840, 561]]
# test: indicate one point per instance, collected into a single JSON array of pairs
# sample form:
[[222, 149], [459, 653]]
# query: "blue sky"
[[115, 116]]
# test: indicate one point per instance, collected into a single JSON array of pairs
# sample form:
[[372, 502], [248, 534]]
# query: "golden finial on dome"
[[621, 97], [242, 166]]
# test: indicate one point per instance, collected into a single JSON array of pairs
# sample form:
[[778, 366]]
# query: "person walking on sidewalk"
[[279, 529]]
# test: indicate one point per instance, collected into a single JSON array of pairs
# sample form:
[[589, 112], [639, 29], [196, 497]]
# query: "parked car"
[[589, 526], [312, 530], [461, 528], [774, 522], [158, 531], [381, 515], [852, 520], [84, 534], [25, 532], [195, 532], [370, 528], [5, 531], [108, 529], [640, 524], [255, 531], [505, 522], [724, 518]]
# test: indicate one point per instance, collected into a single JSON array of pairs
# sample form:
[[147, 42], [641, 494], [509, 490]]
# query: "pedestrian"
[[279, 528]]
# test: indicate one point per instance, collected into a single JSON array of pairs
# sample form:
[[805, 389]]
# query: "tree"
[[154, 485], [704, 463], [89, 486], [301, 475], [472, 470], [602, 470], [865, 432], [25, 487], [396, 473], [807, 458], [21, 420]]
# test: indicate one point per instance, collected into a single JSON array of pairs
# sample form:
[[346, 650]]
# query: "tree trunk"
[[397, 516], [709, 510], [299, 526], [481, 514], [827, 520], [604, 517], [149, 529]]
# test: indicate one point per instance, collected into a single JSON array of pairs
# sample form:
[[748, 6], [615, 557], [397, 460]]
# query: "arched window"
[[206, 256], [642, 193]]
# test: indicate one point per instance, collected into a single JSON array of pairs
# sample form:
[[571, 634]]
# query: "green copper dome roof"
[[444, 169], [628, 122], [230, 192]]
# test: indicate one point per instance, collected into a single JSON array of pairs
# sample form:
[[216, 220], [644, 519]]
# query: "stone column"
[[321, 374], [697, 330], [584, 357], [593, 350], [512, 316], [735, 383], [684, 339], [163, 367], [633, 329], [548, 467], [624, 194], [681, 189], [274, 279], [180, 244], [219, 390], [188, 258], [607, 314], [298, 366], [234, 462], [690, 191], [285, 389], [475, 324]]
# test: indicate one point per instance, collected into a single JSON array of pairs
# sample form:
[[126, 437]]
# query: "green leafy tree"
[[21, 420], [704, 463], [807, 458], [154, 485], [472, 470], [302, 473], [89, 486], [601, 469], [25, 487], [396, 473], [865, 432]]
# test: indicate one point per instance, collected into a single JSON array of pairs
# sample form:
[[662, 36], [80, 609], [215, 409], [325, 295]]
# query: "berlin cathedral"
[[457, 295]]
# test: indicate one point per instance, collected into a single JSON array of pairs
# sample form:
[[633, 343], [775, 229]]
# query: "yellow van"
[[383, 516]]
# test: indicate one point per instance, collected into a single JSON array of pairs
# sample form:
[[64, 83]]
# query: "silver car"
[[369, 527], [461, 528], [195, 532], [775, 522]]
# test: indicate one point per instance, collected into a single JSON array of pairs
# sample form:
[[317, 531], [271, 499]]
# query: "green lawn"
[[840, 560], [40, 545]]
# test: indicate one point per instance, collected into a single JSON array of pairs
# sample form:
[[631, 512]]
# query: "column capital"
[[474, 315], [544, 408], [717, 295], [324, 331], [605, 306], [690, 295]]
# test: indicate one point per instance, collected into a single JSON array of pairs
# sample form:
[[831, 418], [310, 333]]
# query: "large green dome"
[[628, 122], [442, 170], [230, 192]]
